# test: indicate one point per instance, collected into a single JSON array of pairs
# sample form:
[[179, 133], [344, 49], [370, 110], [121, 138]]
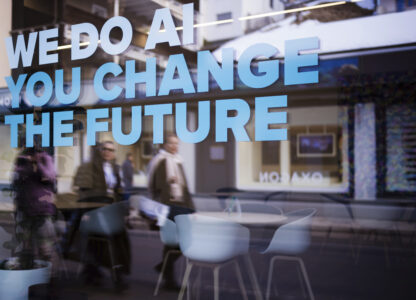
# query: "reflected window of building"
[[314, 158]]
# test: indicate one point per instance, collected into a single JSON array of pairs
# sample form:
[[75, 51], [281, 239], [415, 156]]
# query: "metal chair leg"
[[159, 279], [328, 234], [302, 267], [299, 271], [185, 280], [188, 289], [240, 280], [253, 277], [216, 283], [269, 277], [305, 275], [165, 260]]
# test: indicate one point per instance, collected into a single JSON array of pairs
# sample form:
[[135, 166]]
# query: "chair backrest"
[[209, 239], [169, 234], [106, 220], [293, 237]]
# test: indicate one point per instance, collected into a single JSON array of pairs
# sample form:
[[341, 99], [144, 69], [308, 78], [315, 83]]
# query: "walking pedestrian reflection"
[[167, 184]]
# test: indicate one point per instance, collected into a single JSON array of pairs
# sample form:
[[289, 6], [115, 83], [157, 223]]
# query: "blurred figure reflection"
[[167, 184], [92, 185], [34, 185], [99, 180]]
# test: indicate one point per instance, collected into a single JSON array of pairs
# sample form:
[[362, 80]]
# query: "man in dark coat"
[[166, 178]]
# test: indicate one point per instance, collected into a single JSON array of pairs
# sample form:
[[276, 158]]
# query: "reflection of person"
[[100, 181], [34, 184], [128, 172], [167, 184], [166, 177], [99, 178]]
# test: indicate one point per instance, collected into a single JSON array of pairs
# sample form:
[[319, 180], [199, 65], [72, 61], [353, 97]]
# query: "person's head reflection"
[[107, 151], [171, 144]]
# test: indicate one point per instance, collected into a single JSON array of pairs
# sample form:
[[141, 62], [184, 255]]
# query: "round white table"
[[247, 218]]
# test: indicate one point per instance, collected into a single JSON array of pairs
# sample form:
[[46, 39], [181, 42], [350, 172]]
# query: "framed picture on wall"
[[316, 145]]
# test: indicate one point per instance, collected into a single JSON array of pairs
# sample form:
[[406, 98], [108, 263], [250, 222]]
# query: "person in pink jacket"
[[34, 186]]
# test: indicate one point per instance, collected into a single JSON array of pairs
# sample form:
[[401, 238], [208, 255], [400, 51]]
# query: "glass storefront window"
[[277, 136]]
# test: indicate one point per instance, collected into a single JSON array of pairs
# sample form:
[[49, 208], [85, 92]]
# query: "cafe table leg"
[[253, 277]]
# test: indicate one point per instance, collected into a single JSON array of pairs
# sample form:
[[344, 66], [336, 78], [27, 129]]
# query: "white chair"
[[169, 237], [211, 242], [260, 235], [291, 239]]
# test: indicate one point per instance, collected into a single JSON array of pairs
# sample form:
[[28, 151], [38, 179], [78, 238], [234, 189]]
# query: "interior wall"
[[214, 174]]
